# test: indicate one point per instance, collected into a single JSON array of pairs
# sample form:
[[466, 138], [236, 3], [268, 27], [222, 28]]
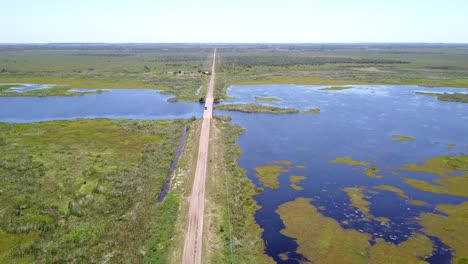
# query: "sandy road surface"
[[193, 237]]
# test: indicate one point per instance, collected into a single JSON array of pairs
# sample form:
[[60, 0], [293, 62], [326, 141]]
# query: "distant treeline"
[[254, 60]]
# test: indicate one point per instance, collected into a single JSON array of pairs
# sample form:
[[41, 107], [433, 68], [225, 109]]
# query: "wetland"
[[373, 171]]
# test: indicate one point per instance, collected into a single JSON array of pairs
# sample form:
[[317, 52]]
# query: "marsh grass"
[[402, 138], [451, 229], [256, 108], [84, 190], [321, 239], [449, 97], [312, 111], [267, 99]]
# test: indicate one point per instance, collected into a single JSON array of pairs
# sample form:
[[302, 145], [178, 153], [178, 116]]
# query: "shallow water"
[[24, 87], [118, 103], [359, 123]]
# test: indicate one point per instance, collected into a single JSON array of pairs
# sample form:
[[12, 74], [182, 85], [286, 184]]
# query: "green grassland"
[[342, 65], [84, 191], [176, 70]]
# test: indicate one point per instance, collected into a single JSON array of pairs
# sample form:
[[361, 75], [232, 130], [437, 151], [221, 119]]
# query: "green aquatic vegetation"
[[428, 94], [321, 239], [449, 97], [312, 111], [452, 185], [294, 180], [349, 161], [268, 175], [336, 88], [372, 172], [256, 108], [451, 229], [400, 193], [454, 97], [267, 99], [442, 165], [283, 162], [393, 189], [412, 250], [357, 199], [418, 202], [51, 91], [402, 138], [73, 191]]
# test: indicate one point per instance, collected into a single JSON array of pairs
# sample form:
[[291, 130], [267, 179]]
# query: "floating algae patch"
[[400, 193], [371, 172], [312, 111], [441, 165], [267, 99], [452, 185], [301, 167], [321, 239], [402, 138], [349, 161], [336, 88], [357, 199], [451, 229], [268, 175], [294, 180]]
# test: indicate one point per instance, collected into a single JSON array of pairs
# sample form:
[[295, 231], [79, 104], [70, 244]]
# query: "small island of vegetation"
[[402, 138], [448, 97], [312, 111], [256, 108], [336, 88], [267, 99]]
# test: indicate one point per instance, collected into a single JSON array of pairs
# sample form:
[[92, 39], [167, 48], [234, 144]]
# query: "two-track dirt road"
[[193, 237]]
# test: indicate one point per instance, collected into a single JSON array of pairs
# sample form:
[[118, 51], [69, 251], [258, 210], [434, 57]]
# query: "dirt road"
[[193, 237]]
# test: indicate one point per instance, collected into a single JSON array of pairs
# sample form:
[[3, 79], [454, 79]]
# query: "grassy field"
[[346, 64], [85, 190], [173, 69]]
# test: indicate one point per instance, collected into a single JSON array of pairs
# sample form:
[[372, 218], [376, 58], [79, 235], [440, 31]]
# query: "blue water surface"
[[358, 123], [117, 103]]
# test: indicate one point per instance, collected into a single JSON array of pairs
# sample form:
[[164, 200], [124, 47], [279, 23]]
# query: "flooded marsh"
[[376, 173]]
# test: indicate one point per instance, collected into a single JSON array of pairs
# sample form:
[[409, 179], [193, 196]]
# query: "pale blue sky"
[[41, 21]]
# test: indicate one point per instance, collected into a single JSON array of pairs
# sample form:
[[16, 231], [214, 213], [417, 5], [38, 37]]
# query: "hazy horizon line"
[[215, 43]]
